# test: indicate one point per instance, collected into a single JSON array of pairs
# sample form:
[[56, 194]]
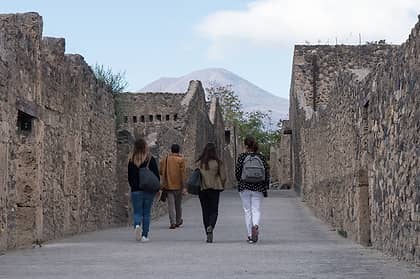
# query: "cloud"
[[274, 23]]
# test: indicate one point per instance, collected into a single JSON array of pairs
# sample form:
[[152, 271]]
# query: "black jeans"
[[209, 200]]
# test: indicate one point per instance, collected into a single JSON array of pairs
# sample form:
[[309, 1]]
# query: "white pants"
[[251, 202]]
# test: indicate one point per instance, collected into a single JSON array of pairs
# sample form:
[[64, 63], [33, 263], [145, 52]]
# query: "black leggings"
[[209, 200]]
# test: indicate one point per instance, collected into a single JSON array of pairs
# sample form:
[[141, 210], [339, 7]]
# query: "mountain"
[[252, 97]]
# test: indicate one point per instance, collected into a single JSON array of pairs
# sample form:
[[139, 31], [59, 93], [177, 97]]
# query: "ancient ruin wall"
[[167, 118], [354, 158], [280, 159], [58, 177], [394, 150], [314, 72], [216, 119]]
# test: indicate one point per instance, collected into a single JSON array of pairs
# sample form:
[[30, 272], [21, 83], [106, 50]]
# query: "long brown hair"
[[251, 143], [140, 152], [209, 153]]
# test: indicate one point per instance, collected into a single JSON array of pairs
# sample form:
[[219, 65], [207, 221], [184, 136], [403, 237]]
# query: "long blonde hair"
[[140, 152]]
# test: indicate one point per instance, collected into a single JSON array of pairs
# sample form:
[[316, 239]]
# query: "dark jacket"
[[242, 185], [133, 173]]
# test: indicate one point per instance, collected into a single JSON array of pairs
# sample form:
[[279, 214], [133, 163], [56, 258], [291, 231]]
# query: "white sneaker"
[[144, 239], [138, 232]]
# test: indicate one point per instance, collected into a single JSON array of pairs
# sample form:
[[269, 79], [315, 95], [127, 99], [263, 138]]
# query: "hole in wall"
[[24, 122]]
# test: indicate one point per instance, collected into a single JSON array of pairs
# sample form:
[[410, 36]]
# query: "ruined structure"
[[167, 118], [280, 160], [64, 140], [57, 143], [355, 119]]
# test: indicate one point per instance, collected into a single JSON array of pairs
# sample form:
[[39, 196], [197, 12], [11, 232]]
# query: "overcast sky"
[[254, 39]]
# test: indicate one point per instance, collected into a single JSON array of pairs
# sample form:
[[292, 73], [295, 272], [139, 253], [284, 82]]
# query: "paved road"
[[293, 244]]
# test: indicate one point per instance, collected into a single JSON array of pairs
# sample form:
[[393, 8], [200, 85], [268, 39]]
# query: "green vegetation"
[[256, 123], [229, 102], [117, 82]]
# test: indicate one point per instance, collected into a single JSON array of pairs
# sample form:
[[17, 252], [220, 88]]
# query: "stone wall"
[[58, 145], [355, 147], [65, 138], [280, 160], [167, 118]]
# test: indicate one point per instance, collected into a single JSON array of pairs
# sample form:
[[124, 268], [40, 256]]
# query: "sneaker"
[[254, 236], [173, 226], [138, 232], [179, 224], [209, 232], [250, 240], [145, 239]]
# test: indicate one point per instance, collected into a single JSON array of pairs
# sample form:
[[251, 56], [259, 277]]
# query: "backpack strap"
[[165, 170], [149, 159]]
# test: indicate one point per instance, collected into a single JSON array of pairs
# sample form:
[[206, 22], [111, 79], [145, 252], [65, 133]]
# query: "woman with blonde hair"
[[213, 176], [141, 200]]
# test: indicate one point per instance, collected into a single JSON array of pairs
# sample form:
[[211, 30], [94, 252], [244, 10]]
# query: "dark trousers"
[[209, 200]]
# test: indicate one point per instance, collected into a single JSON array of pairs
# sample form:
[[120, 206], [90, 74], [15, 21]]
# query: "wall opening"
[[167, 117], [175, 117], [142, 119], [134, 119], [227, 136], [125, 119], [159, 117], [24, 122], [151, 118]]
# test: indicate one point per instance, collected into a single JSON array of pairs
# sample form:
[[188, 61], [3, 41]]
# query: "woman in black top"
[[141, 200], [252, 192]]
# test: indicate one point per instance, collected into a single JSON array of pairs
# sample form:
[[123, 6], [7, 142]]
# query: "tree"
[[256, 123], [115, 81], [228, 100]]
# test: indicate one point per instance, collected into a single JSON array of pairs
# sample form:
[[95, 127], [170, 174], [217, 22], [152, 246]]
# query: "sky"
[[252, 38]]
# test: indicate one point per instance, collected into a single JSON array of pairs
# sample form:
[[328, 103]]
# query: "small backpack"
[[253, 170]]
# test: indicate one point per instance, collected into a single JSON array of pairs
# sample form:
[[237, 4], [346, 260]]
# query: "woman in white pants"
[[252, 173]]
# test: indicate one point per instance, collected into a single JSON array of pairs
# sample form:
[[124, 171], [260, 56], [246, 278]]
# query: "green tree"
[[117, 82], [257, 124], [228, 100]]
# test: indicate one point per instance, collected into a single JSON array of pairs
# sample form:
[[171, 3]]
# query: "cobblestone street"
[[294, 244]]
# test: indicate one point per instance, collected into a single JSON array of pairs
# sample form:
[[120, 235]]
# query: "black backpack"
[[148, 181]]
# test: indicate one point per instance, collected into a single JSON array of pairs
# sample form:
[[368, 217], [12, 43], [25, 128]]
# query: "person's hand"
[[184, 191]]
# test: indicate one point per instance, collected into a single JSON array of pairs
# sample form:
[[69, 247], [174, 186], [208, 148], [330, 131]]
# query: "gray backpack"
[[253, 170]]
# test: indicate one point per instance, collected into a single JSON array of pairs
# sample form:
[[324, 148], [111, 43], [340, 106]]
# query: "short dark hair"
[[175, 148]]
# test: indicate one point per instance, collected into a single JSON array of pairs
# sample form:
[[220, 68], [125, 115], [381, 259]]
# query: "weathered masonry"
[[280, 160], [65, 138], [57, 139], [355, 120], [167, 118]]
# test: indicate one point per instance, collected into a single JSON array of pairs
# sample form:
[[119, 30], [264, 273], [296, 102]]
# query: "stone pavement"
[[294, 244]]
